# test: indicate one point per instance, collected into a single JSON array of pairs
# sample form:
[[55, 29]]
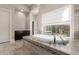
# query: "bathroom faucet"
[[54, 39], [62, 40]]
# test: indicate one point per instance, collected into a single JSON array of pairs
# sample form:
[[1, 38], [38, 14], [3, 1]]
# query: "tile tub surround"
[[46, 46], [69, 49]]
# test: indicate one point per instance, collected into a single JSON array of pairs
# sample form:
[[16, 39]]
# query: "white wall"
[[51, 17], [19, 21], [9, 23], [56, 17], [4, 25], [27, 26], [76, 21], [39, 24]]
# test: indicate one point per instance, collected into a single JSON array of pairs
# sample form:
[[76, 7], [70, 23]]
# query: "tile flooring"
[[21, 47], [11, 49]]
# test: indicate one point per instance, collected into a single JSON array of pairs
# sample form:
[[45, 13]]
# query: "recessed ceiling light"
[[22, 10]]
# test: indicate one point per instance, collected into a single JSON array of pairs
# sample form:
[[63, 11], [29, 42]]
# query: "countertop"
[[72, 48]]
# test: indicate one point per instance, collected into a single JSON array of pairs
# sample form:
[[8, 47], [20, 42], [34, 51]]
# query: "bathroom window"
[[56, 22], [57, 29]]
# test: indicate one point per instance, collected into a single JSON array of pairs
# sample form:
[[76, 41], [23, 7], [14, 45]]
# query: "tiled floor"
[[22, 47], [11, 49]]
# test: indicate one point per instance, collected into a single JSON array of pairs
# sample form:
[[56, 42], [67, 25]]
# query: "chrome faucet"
[[62, 40], [54, 39]]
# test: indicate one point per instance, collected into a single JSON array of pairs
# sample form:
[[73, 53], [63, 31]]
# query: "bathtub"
[[50, 38]]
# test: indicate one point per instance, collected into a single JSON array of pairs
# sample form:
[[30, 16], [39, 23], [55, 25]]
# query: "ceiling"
[[44, 8], [16, 6]]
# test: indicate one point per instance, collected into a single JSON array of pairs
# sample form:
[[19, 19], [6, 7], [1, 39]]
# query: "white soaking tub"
[[50, 38]]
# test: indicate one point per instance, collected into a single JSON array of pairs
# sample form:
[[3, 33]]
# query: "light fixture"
[[22, 10], [66, 15]]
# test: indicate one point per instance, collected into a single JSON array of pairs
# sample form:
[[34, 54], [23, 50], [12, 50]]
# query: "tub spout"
[[54, 39]]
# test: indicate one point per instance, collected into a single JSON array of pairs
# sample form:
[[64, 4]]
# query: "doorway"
[[4, 25], [32, 27]]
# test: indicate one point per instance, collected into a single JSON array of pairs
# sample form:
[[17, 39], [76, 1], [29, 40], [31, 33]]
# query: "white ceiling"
[[43, 7], [25, 7], [49, 7]]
